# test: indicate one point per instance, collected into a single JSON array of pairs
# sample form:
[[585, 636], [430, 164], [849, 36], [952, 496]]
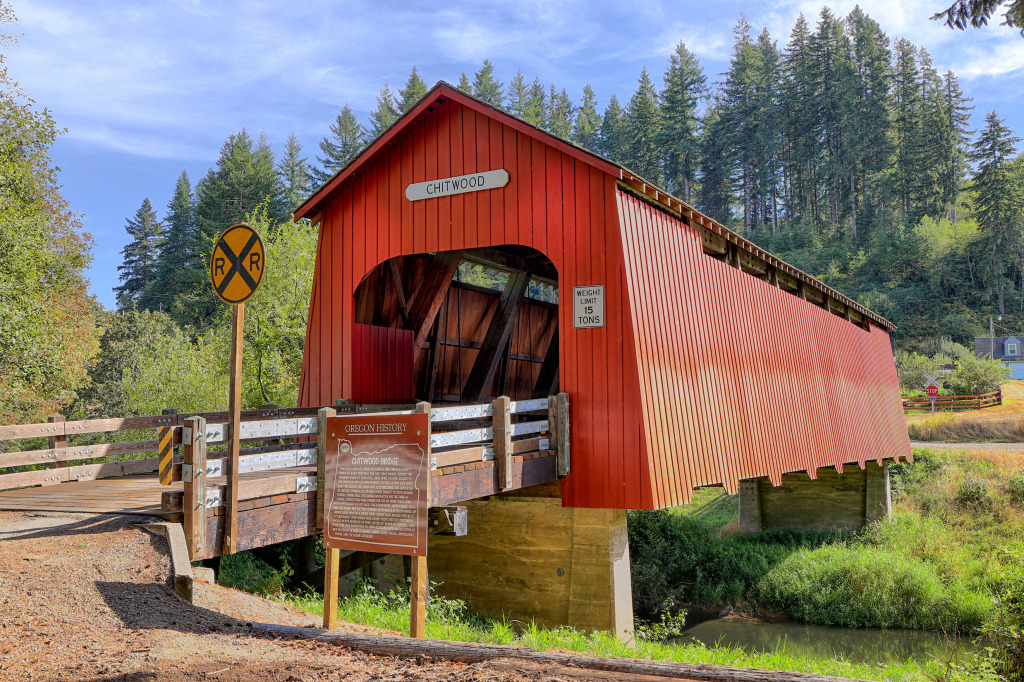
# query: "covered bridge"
[[466, 254]]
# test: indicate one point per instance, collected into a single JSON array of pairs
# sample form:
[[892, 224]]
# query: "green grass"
[[451, 620]]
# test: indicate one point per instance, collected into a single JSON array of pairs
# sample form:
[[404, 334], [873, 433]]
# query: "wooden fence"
[[955, 402]]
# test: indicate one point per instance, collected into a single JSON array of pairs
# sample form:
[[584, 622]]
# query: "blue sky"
[[147, 88]]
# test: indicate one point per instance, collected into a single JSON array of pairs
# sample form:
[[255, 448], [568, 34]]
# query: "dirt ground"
[[88, 598]]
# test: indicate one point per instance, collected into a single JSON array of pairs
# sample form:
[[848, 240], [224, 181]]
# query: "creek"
[[818, 641]]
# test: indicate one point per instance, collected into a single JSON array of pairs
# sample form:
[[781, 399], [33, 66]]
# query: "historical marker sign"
[[588, 306], [442, 187], [376, 483], [237, 263]]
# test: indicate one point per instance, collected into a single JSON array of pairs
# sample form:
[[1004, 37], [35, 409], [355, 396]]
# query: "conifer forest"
[[839, 148]]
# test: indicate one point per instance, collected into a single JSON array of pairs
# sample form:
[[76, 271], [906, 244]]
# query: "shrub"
[[1015, 488], [972, 493], [867, 587]]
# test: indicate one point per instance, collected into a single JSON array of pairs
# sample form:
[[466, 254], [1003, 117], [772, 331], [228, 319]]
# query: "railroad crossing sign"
[[237, 263]]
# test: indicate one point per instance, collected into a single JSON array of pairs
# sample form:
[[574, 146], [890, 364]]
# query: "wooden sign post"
[[236, 270]]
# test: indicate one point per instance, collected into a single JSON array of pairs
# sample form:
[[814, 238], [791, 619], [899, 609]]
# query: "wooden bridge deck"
[[138, 494]]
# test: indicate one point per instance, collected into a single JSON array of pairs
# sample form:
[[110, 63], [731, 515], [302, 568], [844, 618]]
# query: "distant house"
[[1005, 348]]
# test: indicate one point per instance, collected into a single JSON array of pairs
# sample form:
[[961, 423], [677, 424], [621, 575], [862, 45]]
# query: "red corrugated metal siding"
[[553, 202], [740, 379], [702, 375], [384, 371]]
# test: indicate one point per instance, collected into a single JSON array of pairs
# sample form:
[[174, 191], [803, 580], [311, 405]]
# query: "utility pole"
[[991, 339]]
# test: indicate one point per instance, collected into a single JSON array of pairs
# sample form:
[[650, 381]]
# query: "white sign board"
[[588, 306], [474, 182]]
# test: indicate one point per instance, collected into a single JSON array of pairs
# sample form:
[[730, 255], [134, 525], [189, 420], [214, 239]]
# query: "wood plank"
[[264, 526], [323, 415], [58, 442], [16, 431], [75, 428], [14, 459], [396, 278], [88, 472], [468, 485], [547, 380], [481, 376], [562, 443]]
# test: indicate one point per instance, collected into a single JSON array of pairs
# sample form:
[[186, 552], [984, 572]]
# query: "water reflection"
[[857, 646]]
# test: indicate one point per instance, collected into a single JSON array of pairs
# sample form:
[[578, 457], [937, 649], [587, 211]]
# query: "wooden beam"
[[498, 334], [538, 266], [448, 521], [396, 277], [547, 380], [437, 279], [562, 437]]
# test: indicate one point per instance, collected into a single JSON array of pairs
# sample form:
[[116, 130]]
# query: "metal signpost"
[[236, 270]]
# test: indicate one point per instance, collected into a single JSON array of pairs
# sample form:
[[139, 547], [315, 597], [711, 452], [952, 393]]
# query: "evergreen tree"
[[244, 178], [613, 141], [740, 107], [534, 106], [386, 112], [516, 95], [868, 144], [714, 195], [415, 89], [999, 197], [643, 129], [587, 126], [906, 97], [485, 87], [464, 84], [139, 263], [685, 87], [294, 172], [768, 129], [800, 154], [559, 113], [955, 141], [348, 138], [175, 258]]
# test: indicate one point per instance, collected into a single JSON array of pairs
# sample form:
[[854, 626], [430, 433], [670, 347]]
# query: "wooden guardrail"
[[72, 447], [955, 402]]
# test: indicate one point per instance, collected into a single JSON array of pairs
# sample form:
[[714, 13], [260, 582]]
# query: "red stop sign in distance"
[[932, 390]]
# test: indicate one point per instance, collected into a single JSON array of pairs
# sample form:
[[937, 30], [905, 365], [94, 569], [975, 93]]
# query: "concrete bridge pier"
[[833, 501], [528, 558]]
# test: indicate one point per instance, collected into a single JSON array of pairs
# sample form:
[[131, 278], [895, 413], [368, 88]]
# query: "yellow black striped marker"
[[166, 453]]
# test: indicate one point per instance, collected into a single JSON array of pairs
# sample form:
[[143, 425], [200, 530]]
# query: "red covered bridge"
[[466, 255], [714, 362]]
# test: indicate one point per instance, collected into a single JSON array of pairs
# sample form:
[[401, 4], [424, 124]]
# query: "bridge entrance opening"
[[457, 327]]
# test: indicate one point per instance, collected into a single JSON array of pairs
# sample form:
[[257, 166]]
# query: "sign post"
[[930, 389], [236, 270]]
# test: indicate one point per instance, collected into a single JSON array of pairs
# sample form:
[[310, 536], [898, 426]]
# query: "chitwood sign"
[[474, 182], [376, 483]]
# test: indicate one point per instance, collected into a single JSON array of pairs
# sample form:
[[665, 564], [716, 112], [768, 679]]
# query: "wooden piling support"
[[59, 443], [331, 578]]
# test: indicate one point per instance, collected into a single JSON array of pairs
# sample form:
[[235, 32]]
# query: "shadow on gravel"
[[76, 525], [142, 605]]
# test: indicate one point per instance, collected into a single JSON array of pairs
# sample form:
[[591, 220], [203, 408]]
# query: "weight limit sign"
[[237, 264]]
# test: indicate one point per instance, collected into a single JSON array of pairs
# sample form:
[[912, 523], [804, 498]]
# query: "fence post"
[[193, 476], [165, 447], [563, 457], [502, 421], [59, 444]]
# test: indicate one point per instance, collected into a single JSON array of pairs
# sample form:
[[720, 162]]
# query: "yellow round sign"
[[236, 264]]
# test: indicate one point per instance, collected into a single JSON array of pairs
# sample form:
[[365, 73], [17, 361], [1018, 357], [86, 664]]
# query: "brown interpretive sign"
[[376, 473]]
